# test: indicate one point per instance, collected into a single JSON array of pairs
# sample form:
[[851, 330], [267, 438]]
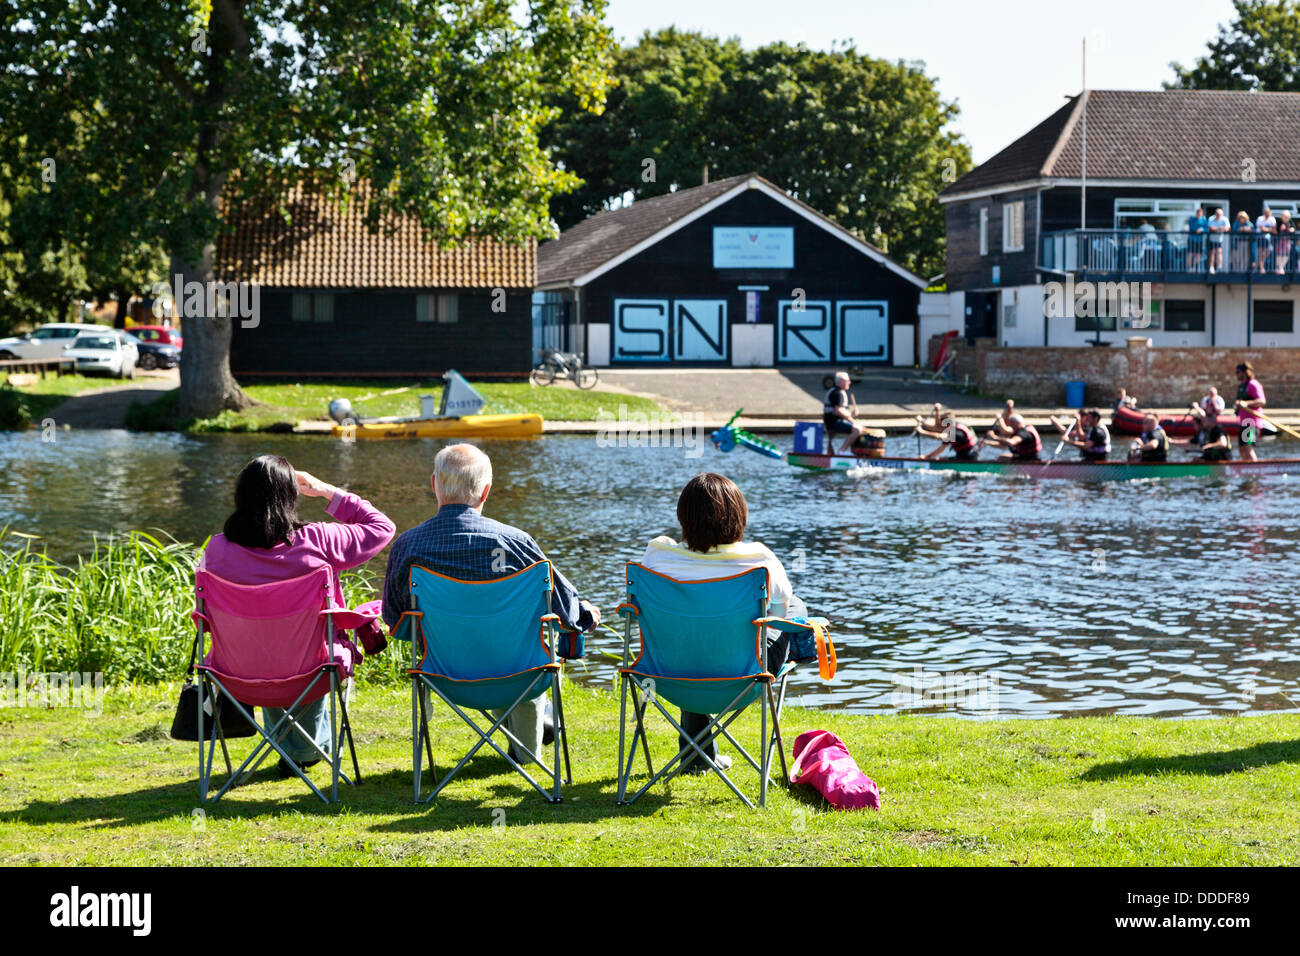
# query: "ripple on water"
[[1173, 598]]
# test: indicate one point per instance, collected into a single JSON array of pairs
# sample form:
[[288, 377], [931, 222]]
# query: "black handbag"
[[185, 725]]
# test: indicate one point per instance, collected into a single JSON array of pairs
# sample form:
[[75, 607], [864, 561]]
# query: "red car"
[[157, 333]]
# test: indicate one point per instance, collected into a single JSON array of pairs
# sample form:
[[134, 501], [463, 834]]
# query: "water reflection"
[[1171, 598]]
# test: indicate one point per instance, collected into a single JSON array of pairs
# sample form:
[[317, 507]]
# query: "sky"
[[1008, 63]]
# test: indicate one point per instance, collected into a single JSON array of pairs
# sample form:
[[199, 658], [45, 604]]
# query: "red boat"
[[1128, 421]]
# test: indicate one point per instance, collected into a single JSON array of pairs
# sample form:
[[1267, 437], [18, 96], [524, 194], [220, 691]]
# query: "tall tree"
[[211, 103], [866, 141], [1258, 50]]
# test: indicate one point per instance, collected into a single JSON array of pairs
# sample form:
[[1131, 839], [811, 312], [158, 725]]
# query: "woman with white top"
[[712, 513]]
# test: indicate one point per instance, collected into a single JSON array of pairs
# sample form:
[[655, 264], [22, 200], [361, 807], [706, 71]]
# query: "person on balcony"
[[1217, 227], [1285, 234], [1265, 229], [1197, 226], [1241, 242]]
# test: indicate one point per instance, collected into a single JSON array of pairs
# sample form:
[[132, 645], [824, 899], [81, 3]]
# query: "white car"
[[107, 351], [45, 342]]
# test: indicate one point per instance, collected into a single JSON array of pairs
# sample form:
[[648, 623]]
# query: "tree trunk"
[[119, 317], [207, 386]]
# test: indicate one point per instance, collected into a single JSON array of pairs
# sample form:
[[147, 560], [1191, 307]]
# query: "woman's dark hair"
[[711, 511], [266, 504]]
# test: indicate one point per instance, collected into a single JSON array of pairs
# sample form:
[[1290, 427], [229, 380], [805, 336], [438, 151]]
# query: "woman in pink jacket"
[[264, 541]]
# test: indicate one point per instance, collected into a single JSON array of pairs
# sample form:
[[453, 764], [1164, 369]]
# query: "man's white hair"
[[461, 472], [842, 377], [1015, 418]]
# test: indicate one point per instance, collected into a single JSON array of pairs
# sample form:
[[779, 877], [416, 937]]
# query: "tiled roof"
[[604, 236], [326, 246], [1166, 136]]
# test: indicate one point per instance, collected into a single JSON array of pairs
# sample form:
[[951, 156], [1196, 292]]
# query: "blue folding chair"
[[480, 646], [703, 648]]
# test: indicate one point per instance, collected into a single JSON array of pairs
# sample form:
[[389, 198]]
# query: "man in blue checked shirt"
[[460, 543]]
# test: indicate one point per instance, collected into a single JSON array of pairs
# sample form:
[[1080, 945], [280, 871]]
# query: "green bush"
[[13, 412], [122, 610]]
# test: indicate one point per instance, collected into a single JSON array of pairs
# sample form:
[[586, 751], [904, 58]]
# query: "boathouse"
[[735, 272], [337, 299]]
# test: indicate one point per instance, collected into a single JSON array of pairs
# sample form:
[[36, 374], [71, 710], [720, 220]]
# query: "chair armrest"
[[785, 624], [402, 629], [627, 610]]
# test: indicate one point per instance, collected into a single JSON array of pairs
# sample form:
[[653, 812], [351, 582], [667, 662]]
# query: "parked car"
[[107, 351], [46, 341], [154, 353], [157, 333]]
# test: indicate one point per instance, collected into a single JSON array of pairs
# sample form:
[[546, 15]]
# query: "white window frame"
[[1179, 211], [1013, 226], [984, 230]]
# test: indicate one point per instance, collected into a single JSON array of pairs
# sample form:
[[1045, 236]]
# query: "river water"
[[971, 596]]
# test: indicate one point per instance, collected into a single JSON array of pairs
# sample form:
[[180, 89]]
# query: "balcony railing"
[[1172, 255]]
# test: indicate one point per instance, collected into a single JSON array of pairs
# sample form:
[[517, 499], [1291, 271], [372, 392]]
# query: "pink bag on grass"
[[823, 761]]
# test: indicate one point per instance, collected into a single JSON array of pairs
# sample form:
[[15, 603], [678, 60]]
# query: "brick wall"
[[1159, 377]]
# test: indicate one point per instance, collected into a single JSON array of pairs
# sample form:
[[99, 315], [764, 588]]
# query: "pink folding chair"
[[273, 645]]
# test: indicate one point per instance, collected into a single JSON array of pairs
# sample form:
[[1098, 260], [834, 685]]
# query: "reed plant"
[[122, 610]]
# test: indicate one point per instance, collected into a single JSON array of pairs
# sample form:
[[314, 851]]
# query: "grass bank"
[[21, 407], [107, 786], [284, 404], [81, 789]]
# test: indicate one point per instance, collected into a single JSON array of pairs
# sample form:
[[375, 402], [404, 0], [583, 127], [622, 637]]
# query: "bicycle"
[[563, 365]]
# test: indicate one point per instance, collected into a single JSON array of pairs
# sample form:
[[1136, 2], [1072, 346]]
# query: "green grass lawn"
[[49, 391], [290, 402], [86, 790]]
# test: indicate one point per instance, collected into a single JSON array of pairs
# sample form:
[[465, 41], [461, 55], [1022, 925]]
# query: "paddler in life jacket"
[[1002, 424], [1153, 444], [953, 434], [1024, 443], [1087, 434], [838, 412]]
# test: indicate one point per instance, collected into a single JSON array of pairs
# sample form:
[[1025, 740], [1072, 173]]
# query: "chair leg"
[[623, 729], [221, 735], [640, 731], [776, 732], [347, 731], [767, 752], [563, 733], [556, 737], [417, 727], [336, 758]]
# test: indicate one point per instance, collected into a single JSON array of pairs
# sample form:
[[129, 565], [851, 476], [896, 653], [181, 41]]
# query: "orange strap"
[[825, 651]]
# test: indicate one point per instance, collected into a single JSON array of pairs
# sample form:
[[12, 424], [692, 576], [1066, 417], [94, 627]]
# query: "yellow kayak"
[[467, 426]]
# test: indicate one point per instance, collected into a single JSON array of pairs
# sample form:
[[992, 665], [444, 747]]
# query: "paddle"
[[1065, 431], [1256, 413]]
